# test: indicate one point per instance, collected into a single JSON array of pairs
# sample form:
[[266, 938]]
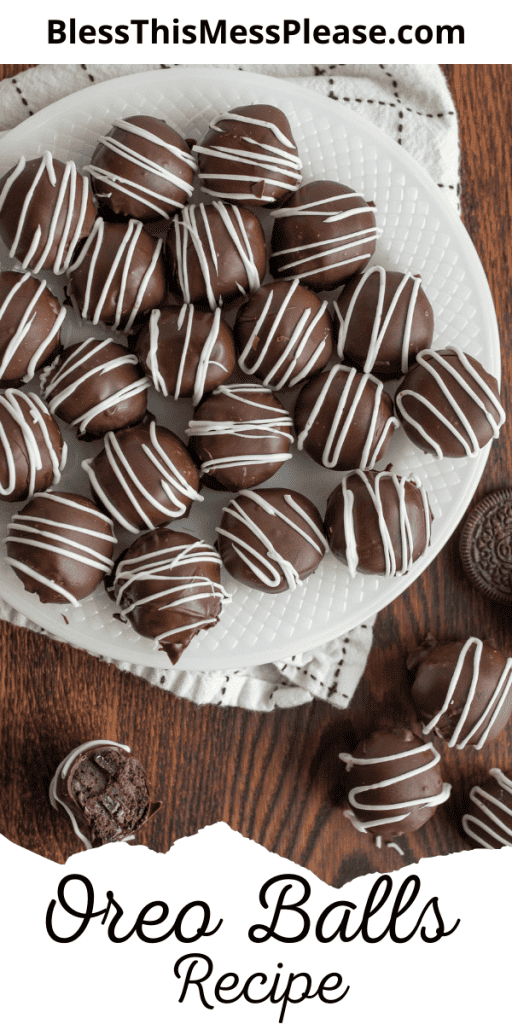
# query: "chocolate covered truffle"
[[186, 351], [489, 821], [96, 386], [60, 546], [240, 435], [144, 476], [249, 156], [30, 322], [449, 405], [45, 210], [283, 334], [378, 523], [32, 452], [103, 789], [271, 539], [167, 584], [344, 419], [394, 784], [118, 274], [461, 691], [384, 319], [323, 234], [215, 253], [142, 169]]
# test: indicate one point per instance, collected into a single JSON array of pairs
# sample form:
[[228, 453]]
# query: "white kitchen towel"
[[410, 102]]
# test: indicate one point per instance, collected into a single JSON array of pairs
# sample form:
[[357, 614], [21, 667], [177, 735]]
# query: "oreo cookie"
[[486, 546]]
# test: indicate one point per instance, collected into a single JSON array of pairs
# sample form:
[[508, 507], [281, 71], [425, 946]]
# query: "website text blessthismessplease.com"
[[144, 31]]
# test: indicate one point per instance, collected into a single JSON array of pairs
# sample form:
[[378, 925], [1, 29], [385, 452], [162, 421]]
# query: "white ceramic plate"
[[421, 233]]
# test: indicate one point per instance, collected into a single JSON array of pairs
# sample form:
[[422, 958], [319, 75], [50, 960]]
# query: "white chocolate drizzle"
[[24, 326], [86, 351], [63, 772], [165, 565], [261, 564], [123, 260], [493, 707], [187, 313], [313, 252], [407, 539], [494, 814], [153, 200], [335, 441], [56, 541], [286, 360], [274, 423], [67, 202], [187, 231], [437, 365], [263, 160], [34, 417], [174, 485], [402, 806], [380, 324]]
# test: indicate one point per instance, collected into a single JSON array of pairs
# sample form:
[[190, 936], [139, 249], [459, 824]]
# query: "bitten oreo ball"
[[45, 210], [118, 274], [249, 156], [394, 784], [96, 386], [449, 405], [489, 820], [32, 452], [323, 234], [271, 539], [378, 523], [240, 435], [283, 334], [384, 319], [142, 169], [461, 691], [186, 351], [144, 476], [215, 253], [61, 547], [167, 584], [103, 790], [30, 323], [344, 419]]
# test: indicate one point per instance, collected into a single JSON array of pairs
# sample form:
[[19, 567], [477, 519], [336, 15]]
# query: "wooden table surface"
[[273, 777]]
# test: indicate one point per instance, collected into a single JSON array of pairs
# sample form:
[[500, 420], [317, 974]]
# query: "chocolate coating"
[[449, 405], [462, 690], [187, 352], [118, 274], [385, 797], [60, 546], [283, 334], [271, 539], [167, 584], [322, 234], [378, 523], [96, 386], [103, 789], [144, 476], [489, 821], [45, 210], [142, 168], [249, 156], [30, 322], [240, 435], [215, 253], [344, 419], [384, 319], [32, 452]]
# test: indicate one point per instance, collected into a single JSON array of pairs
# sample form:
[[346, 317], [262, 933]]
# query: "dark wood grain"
[[275, 778]]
